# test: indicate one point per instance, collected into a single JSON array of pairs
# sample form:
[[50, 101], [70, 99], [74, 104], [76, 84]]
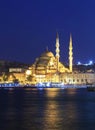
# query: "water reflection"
[[51, 115], [52, 92], [57, 112], [49, 109]]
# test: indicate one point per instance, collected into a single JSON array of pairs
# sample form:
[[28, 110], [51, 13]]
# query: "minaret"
[[70, 55], [57, 51], [46, 48]]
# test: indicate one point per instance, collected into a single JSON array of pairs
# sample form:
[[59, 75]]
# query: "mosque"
[[48, 68]]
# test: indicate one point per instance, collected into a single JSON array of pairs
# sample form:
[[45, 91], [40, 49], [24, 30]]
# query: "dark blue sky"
[[28, 26]]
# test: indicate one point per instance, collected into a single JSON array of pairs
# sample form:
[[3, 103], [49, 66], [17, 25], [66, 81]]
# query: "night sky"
[[28, 26]]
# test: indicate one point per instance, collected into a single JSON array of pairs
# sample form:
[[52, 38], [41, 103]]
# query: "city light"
[[79, 63], [90, 62], [28, 72]]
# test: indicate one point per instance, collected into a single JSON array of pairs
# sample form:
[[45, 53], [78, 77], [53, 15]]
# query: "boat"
[[29, 86], [91, 87], [50, 85], [57, 85], [9, 85]]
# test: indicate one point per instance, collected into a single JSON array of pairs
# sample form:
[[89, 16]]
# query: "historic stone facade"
[[48, 68]]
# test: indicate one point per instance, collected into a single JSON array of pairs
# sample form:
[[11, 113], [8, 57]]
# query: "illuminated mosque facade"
[[48, 68]]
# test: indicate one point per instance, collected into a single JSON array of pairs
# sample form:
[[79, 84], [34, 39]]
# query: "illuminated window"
[[81, 80], [77, 80]]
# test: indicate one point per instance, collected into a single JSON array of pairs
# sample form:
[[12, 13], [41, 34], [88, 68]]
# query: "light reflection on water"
[[56, 114], [48, 109]]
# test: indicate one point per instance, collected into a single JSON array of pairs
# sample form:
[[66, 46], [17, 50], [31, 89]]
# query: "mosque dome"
[[45, 58], [47, 54]]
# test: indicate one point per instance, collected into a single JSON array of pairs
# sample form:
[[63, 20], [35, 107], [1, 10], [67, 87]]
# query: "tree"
[[29, 78], [5, 77]]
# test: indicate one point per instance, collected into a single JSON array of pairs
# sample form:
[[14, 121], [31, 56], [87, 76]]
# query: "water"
[[49, 109]]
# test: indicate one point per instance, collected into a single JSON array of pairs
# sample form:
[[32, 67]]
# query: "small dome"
[[47, 54]]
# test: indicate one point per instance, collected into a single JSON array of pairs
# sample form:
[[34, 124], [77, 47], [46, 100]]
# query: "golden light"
[[51, 63], [52, 92], [28, 72]]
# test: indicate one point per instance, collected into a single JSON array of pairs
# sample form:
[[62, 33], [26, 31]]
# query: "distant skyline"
[[28, 27]]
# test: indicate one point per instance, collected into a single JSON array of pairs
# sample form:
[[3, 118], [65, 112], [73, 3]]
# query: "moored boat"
[[91, 87], [50, 85]]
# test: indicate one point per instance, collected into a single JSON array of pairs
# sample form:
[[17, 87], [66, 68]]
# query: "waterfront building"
[[15, 70], [49, 68]]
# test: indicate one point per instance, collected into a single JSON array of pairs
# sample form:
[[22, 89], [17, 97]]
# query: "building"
[[16, 70], [48, 68]]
